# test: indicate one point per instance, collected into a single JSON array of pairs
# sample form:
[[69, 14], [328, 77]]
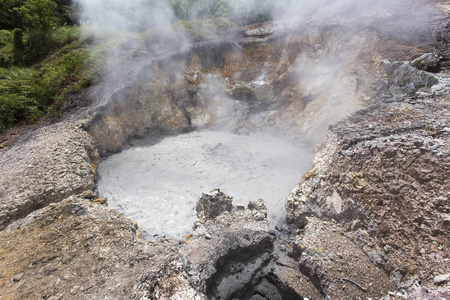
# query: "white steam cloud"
[[126, 14], [142, 14], [322, 74]]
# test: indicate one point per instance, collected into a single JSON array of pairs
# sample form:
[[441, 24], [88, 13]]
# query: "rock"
[[407, 89], [257, 205], [340, 267], [212, 204], [392, 177], [230, 256], [405, 80], [75, 209], [18, 277], [442, 278], [259, 209], [426, 61], [88, 195], [100, 201], [50, 164], [223, 238]]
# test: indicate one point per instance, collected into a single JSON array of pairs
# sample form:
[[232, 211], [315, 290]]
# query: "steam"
[[151, 27], [126, 15], [159, 18], [327, 81], [142, 15]]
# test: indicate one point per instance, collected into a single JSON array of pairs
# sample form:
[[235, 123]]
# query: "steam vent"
[[235, 150]]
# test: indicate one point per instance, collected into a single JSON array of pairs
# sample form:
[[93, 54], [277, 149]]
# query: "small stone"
[[18, 277], [74, 290], [101, 201], [197, 224], [442, 278], [426, 61], [88, 195]]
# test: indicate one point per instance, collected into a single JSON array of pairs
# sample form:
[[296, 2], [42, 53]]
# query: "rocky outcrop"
[[48, 165], [232, 254], [300, 81], [77, 249], [426, 62], [212, 204], [382, 174], [337, 266], [224, 253]]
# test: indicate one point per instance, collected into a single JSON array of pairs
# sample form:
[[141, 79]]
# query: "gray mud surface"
[[158, 185]]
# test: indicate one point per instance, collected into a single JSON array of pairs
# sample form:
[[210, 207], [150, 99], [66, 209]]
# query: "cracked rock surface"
[[45, 166], [338, 267], [76, 249], [383, 175]]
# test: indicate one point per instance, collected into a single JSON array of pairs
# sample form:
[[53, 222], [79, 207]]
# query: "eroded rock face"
[[229, 254], [48, 165], [382, 174], [337, 266], [300, 81]]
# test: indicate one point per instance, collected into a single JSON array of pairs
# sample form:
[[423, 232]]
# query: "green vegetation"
[[42, 59], [28, 93]]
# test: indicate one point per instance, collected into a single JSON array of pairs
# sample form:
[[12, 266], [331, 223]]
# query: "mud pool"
[[157, 182]]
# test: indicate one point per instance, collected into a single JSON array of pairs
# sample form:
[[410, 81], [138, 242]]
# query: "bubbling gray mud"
[[158, 185]]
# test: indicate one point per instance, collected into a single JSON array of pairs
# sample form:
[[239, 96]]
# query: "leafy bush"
[[6, 48], [20, 96], [38, 14], [35, 14], [9, 17]]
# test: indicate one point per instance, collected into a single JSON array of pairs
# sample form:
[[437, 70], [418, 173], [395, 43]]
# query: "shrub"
[[38, 14], [6, 48], [20, 96], [27, 94]]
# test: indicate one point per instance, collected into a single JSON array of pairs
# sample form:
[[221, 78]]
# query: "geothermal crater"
[[242, 114], [254, 112]]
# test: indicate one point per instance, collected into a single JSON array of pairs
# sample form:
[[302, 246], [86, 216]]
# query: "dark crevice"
[[179, 103], [248, 274]]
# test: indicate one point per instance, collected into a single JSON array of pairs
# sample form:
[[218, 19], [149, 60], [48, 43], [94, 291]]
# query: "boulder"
[[212, 204], [426, 61]]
